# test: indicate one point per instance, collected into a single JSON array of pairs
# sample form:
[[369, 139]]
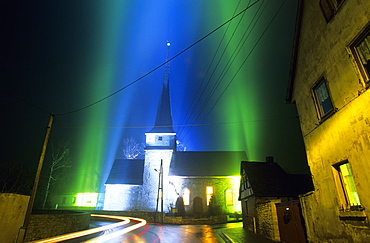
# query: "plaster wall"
[[13, 209], [151, 178], [123, 197], [345, 135]]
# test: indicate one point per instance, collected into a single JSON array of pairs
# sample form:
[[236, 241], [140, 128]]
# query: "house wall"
[[342, 136], [267, 222], [261, 216], [249, 213]]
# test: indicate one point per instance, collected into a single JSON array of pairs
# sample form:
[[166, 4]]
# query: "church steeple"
[[163, 122]]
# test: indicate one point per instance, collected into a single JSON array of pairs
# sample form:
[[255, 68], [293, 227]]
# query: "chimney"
[[270, 159]]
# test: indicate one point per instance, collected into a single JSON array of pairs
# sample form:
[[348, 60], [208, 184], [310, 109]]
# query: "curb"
[[227, 237]]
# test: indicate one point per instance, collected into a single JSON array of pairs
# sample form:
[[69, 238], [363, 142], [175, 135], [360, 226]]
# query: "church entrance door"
[[197, 207]]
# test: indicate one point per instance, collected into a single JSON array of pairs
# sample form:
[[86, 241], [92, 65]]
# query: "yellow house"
[[329, 83]]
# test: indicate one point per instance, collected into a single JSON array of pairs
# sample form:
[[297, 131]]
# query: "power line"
[[228, 65], [156, 68], [186, 117], [26, 102], [268, 25], [188, 125]]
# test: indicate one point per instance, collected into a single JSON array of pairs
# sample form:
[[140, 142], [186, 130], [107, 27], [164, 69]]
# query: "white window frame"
[[329, 8], [353, 49], [318, 96], [346, 187]]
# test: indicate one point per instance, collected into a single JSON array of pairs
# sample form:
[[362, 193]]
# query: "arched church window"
[[209, 192], [229, 197], [186, 196]]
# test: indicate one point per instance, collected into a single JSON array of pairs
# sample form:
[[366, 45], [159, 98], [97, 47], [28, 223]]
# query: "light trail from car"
[[124, 221], [110, 236]]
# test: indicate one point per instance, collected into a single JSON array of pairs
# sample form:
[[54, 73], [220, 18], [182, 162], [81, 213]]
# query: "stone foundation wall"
[[152, 217], [50, 223], [267, 219]]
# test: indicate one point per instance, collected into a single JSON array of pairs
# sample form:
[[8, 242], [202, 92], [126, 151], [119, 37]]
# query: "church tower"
[[159, 150]]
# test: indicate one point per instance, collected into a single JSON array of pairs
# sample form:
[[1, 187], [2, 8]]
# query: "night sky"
[[71, 57]]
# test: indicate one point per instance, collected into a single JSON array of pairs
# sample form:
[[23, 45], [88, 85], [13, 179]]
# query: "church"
[[166, 176]]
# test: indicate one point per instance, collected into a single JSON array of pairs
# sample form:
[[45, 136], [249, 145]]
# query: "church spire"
[[163, 122]]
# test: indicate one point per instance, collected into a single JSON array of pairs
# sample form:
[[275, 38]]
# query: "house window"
[[345, 183], [329, 8], [360, 50], [209, 193], [229, 197], [160, 138], [322, 99], [186, 197]]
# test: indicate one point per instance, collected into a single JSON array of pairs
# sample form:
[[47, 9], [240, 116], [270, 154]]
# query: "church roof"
[[207, 163], [126, 171], [163, 122]]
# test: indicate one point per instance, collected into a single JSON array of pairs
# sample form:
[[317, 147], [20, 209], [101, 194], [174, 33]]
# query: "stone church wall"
[[197, 188]]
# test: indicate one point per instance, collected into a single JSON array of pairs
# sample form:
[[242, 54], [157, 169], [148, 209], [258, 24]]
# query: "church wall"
[[197, 188], [160, 139], [123, 197], [151, 178]]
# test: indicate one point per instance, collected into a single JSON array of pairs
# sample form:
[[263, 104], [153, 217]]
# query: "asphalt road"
[[157, 233]]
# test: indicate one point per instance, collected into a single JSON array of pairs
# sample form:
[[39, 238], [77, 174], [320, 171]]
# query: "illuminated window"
[[186, 197], [229, 197], [87, 199], [345, 183], [209, 191], [322, 98], [329, 8], [360, 49]]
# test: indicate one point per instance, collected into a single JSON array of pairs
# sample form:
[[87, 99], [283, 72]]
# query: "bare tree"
[[180, 146], [60, 161], [131, 149], [15, 178]]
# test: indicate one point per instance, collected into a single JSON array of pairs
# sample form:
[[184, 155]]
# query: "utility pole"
[[161, 173], [23, 230], [160, 193]]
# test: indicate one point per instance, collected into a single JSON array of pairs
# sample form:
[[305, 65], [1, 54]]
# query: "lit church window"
[[186, 197], [229, 197], [209, 191]]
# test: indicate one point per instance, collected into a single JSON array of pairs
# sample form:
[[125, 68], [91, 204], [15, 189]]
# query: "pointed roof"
[[268, 179], [163, 122]]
